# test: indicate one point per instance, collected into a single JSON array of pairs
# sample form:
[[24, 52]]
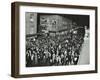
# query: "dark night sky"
[[79, 19]]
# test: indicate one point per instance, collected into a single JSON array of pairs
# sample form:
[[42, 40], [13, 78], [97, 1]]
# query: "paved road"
[[84, 55]]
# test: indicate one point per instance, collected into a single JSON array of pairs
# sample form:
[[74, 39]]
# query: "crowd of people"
[[49, 50]]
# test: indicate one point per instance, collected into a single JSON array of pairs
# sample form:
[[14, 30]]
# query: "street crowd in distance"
[[54, 49]]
